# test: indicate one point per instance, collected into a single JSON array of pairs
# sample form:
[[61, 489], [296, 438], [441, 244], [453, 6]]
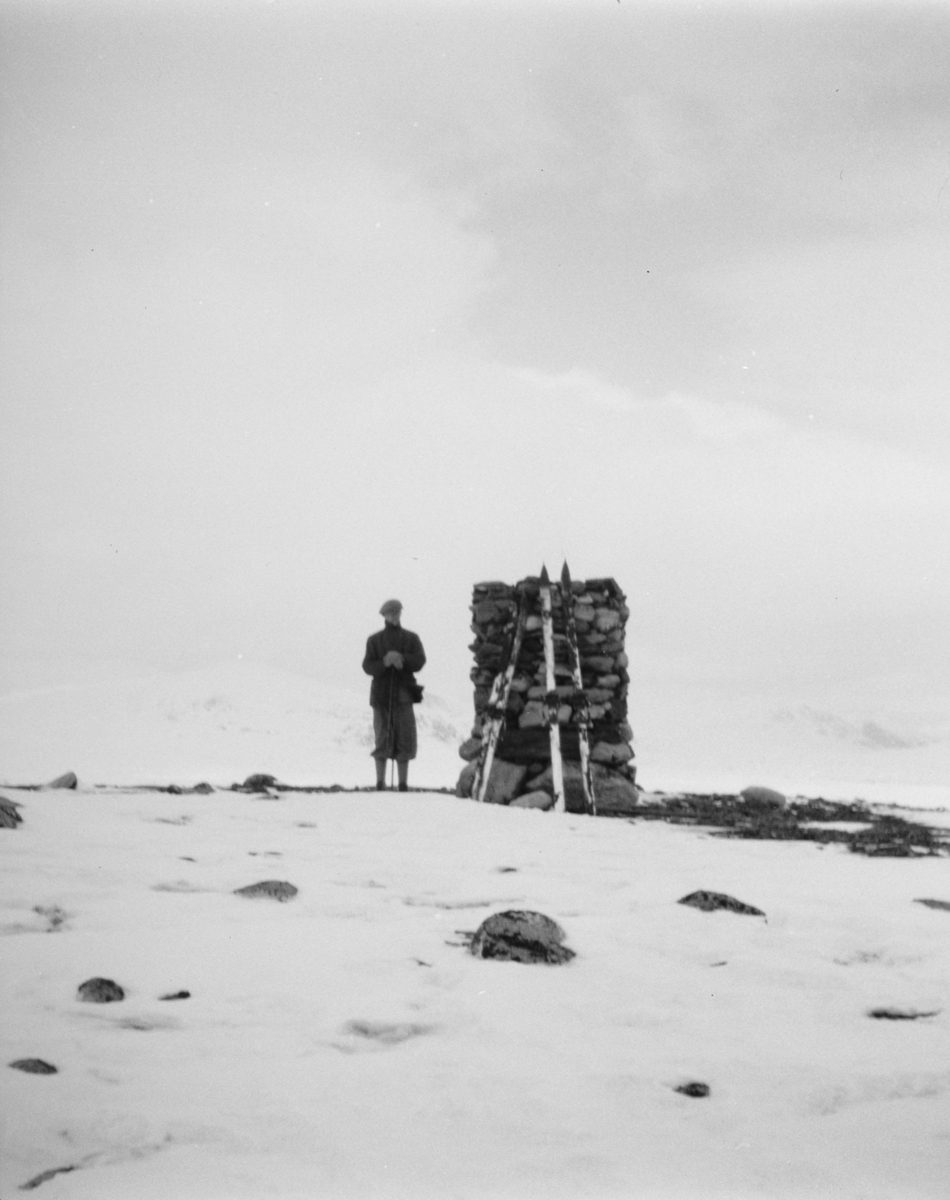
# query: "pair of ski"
[[494, 718]]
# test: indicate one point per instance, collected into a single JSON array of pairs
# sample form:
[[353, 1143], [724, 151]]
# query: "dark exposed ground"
[[732, 816]]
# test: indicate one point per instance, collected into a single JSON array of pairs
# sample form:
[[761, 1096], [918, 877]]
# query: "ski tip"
[[565, 573], [545, 578]]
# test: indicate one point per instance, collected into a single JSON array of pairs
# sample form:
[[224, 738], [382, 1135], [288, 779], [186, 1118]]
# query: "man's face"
[[392, 615]]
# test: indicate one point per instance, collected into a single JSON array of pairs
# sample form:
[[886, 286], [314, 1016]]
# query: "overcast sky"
[[306, 305]]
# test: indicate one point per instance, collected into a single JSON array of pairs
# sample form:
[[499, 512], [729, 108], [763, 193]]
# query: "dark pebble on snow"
[[693, 1089], [34, 1066]]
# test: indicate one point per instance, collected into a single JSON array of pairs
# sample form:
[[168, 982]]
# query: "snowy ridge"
[[225, 722], [219, 724]]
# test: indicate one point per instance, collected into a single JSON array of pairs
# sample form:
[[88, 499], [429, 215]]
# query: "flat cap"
[[391, 606]]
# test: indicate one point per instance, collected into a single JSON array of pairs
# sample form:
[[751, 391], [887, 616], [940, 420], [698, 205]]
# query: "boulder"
[[464, 786], [504, 781], [470, 749], [259, 783], [615, 794], [606, 619], [486, 611], [763, 797], [203, 789], [100, 991], [68, 780], [533, 799], [612, 753], [521, 936]]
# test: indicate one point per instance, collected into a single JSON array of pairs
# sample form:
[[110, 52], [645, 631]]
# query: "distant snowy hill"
[[225, 722], [694, 737], [219, 724]]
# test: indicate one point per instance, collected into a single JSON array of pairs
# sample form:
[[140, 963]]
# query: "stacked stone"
[[523, 754]]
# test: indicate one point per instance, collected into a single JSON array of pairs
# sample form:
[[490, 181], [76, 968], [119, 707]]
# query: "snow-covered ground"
[[345, 1045]]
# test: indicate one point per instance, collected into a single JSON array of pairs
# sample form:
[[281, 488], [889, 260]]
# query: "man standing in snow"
[[392, 655]]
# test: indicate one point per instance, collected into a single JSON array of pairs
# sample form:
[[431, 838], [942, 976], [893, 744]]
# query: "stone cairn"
[[521, 772]]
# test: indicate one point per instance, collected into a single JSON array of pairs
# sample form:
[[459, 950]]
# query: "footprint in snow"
[[147, 1024], [180, 885], [378, 1035]]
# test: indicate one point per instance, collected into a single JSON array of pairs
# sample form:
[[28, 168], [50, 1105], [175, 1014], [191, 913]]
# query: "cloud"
[[581, 386], [702, 419]]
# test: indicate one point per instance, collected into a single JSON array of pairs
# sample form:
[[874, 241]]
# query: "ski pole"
[[390, 748]]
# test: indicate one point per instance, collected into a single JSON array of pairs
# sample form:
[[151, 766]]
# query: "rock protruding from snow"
[[521, 936], [273, 889], [34, 1066], [901, 1014], [100, 991], [694, 1088], [616, 794], [764, 797], [258, 783], [68, 780], [710, 901], [9, 817]]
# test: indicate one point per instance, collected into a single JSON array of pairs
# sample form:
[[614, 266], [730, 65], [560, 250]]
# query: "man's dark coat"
[[392, 637]]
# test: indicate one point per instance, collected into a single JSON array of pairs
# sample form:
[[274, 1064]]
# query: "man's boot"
[[380, 775], [403, 768]]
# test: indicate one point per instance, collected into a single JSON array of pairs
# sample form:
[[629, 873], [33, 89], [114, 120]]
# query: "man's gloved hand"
[[393, 659]]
